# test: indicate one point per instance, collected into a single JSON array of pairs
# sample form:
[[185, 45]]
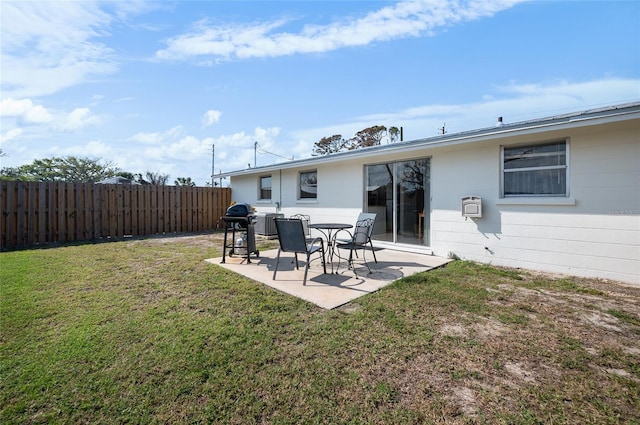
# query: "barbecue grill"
[[240, 220]]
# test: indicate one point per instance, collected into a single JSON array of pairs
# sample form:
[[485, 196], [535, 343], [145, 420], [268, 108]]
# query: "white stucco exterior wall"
[[594, 232], [340, 192]]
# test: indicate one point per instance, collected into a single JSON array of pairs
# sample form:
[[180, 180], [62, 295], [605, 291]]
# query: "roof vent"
[[500, 123]]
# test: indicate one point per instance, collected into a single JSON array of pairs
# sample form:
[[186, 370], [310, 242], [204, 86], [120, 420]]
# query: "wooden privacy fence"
[[43, 212]]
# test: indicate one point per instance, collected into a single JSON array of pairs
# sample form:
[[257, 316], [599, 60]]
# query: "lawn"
[[145, 331]]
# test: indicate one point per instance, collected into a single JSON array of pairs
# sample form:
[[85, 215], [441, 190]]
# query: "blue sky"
[[152, 86]]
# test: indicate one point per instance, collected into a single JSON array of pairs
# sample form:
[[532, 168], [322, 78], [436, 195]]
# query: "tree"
[[10, 173], [328, 145], [394, 134], [368, 137], [67, 169], [126, 175], [153, 178], [371, 136], [184, 181]]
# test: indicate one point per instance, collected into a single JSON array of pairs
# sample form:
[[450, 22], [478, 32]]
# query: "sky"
[[181, 87]]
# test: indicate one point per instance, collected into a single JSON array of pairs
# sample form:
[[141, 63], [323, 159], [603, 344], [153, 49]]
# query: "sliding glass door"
[[380, 199], [399, 193]]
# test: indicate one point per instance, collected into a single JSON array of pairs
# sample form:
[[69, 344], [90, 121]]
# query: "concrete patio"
[[330, 290]]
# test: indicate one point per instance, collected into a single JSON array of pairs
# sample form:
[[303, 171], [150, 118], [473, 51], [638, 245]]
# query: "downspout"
[[279, 205]]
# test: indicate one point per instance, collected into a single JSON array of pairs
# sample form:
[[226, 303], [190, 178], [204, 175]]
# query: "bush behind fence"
[[35, 213]]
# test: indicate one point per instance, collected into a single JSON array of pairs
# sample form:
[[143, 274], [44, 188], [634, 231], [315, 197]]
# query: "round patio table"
[[330, 230]]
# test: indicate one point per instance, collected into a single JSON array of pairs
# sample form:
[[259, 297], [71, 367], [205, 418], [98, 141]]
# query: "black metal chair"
[[361, 217], [305, 225], [372, 217], [359, 240], [292, 238]]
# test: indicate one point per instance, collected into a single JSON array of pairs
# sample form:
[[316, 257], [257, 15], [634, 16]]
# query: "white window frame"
[[261, 188], [564, 167], [307, 198]]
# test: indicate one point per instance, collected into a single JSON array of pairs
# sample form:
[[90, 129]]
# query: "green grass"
[[147, 332], [625, 317]]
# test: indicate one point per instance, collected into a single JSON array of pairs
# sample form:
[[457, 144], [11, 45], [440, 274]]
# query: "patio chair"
[[361, 217], [358, 241], [305, 224], [292, 238]]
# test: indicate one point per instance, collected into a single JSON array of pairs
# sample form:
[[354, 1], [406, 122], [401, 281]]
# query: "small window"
[[535, 170], [265, 187], [308, 187]]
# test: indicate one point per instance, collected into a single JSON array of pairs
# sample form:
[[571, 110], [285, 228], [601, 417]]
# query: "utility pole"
[[255, 150], [213, 163]]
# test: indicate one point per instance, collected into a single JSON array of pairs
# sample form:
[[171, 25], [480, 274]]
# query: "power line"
[[262, 150]]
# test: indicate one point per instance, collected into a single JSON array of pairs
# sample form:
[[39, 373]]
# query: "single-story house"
[[118, 180], [559, 194]]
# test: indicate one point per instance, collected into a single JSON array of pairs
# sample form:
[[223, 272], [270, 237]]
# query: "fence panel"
[[9, 213], [34, 213], [61, 212]]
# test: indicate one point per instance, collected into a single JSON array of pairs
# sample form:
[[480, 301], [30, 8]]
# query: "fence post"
[[9, 213]]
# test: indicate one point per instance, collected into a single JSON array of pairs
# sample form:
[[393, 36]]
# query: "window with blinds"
[[535, 170]]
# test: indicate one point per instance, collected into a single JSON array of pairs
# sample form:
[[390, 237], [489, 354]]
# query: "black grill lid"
[[239, 210]]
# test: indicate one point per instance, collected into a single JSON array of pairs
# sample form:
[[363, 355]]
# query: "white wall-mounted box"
[[472, 206]]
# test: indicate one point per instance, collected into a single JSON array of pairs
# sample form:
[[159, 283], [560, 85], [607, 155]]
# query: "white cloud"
[[589, 92], [78, 118], [404, 19], [93, 149], [187, 148], [211, 117], [158, 137], [242, 140], [50, 45], [12, 134], [519, 102], [235, 151], [25, 111], [47, 47], [191, 156]]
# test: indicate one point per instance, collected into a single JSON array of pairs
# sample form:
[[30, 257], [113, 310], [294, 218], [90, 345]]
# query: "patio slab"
[[330, 290]]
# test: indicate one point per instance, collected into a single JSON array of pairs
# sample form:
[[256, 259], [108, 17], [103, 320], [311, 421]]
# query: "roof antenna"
[[500, 123], [443, 129]]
